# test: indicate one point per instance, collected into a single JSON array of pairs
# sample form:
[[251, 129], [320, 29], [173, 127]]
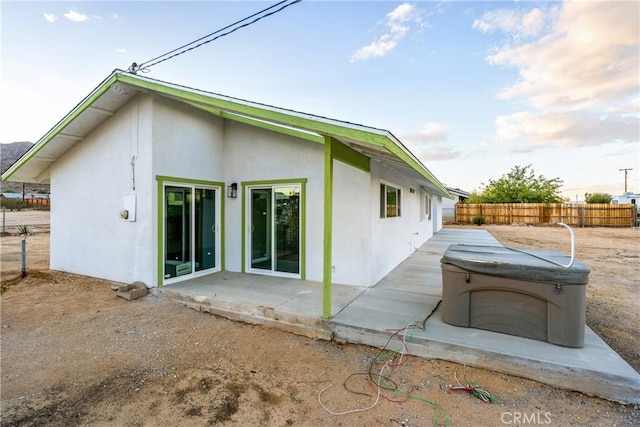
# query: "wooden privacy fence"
[[577, 215], [44, 202]]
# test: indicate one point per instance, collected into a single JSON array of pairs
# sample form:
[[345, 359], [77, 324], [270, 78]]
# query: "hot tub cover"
[[524, 264]]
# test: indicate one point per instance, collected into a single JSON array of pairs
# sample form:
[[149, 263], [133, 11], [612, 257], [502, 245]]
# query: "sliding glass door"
[[191, 241], [274, 235]]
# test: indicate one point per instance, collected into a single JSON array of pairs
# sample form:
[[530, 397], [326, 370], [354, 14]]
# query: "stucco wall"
[[88, 184], [165, 138], [351, 225], [253, 154], [188, 143], [395, 238]]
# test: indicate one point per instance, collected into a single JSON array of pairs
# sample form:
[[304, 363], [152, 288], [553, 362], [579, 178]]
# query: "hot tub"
[[528, 293]]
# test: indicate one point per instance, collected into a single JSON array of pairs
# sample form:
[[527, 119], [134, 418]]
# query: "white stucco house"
[[449, 205], [159, 183]]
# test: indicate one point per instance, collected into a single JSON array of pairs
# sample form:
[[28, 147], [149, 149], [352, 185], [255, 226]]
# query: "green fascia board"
[[378, 138], [161, 180], [239, 111], [417, 166], [350, 156], [71, 116], [261, 113], [259, 123]]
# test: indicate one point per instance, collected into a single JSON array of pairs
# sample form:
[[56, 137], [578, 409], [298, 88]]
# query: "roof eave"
[[57, 129], [250, 110]]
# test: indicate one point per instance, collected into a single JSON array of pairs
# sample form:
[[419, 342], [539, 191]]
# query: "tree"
[[475, 197], [521, 185], [597, 198]]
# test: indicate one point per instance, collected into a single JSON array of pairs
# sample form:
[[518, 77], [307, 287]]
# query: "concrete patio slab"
[[594, 369], [288, 304], [406, 296]]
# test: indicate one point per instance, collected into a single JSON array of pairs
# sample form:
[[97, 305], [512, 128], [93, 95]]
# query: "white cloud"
[[50, 17], [114, 16], [398, 23], [516, 22], [571, 128], [533, 22], [429, 143], [121, 50], [579, 76], [74, 16], [430, 132]]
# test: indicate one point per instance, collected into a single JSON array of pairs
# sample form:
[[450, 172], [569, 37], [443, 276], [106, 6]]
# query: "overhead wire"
[[144, 66]]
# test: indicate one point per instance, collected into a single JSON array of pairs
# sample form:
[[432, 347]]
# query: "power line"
[[144, 67]]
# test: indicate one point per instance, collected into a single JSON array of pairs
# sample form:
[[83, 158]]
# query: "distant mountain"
[[9, 154]]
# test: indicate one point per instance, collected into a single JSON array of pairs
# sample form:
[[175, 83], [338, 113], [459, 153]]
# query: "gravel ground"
[[75, 354]]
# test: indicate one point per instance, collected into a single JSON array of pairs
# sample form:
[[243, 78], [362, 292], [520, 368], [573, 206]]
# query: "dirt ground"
[[72, 353]]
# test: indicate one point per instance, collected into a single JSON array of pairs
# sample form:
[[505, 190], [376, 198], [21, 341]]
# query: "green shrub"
[[597, 198], [12, 204], [478, 219]]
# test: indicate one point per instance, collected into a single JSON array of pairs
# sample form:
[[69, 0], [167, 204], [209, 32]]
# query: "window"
[[390, 200], [427, 206]]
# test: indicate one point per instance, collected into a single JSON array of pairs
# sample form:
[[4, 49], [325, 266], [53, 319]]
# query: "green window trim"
[[161, 182], [302, 182]]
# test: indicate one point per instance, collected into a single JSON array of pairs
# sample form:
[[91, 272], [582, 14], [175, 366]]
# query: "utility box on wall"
[[525, 293], [129, 206]]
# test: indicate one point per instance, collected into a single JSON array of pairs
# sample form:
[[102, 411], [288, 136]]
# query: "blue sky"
[[472, 88]]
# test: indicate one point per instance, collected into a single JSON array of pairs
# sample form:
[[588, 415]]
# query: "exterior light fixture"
[[232, 190]]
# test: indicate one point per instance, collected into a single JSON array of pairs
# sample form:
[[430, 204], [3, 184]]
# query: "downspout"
[[328, 228]]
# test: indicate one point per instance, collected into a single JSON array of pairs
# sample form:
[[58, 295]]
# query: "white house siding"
[[394, 239], [88, 183], [437, 225], [187, 143], [254, 154], [351, 225], [169, 139]]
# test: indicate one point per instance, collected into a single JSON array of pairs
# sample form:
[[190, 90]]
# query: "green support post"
[[328, 225]]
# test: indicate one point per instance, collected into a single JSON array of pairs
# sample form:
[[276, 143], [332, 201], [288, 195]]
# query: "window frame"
[[384, 202], [428, 206]]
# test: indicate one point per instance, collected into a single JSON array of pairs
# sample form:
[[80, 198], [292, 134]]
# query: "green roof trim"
[[350, 156], [374, 137], [258, 123], [261, 113], [71, 116], [296, 124], [417, 166]]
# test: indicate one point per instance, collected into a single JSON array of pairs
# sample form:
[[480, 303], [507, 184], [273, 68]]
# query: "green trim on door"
[[303, 218], [161, 180]]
